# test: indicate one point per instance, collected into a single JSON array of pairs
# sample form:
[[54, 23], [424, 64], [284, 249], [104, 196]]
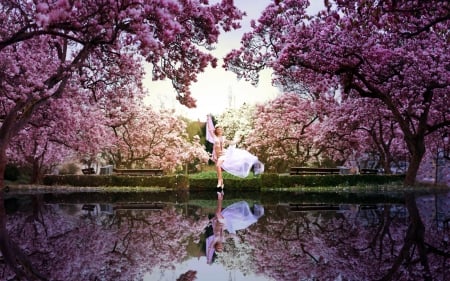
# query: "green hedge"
[[113, 180], [12, 173], [338, 180], [182, 181]]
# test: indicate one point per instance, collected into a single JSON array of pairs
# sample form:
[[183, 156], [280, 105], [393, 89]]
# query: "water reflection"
[[237, 216], [135, 237]]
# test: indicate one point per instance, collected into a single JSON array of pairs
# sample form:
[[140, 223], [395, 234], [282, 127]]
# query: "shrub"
[[270, 180], [12, 173]]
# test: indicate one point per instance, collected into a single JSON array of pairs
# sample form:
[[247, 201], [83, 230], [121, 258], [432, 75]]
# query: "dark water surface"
[[302, 236]]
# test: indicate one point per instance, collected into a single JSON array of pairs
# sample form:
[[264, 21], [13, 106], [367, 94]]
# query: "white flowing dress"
[[238, 162]]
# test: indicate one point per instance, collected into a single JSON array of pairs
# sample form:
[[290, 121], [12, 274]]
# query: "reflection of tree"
[[188, 276], [377, 242], [237, 255], [120, 246], [415, 250], [294, 248], [328, 245], [14, 257], [381, 238]]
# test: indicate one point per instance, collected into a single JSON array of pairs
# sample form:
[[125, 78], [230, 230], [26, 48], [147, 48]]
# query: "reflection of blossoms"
[[237, 255], [65, 244]]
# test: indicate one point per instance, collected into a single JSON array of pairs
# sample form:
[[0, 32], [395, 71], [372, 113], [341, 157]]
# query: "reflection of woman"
[[236, 161], [235, 217]]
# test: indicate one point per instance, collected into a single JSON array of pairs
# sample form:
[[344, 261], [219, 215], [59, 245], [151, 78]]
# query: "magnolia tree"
[[395, 52], [237, 122], [151, 139], [61, 132], [284, 132], [33, 149], [353, 132], [53, 49]]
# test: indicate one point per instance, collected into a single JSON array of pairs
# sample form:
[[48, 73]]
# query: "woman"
[[236, 161], [215, 135]]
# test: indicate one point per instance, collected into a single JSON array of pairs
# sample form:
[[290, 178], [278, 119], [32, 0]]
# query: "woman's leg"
[[219, 172]]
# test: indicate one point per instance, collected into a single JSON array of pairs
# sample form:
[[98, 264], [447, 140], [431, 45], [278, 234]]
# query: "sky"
[[216, 89], [215, 272]]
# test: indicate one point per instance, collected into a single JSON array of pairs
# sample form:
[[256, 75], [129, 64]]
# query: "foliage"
[[284, 133], [207, 181], [210, 173], [271, 180], [12, 172], [194, 128], [237, 122], [149, 139], [394, 52], [110, 181], [338, 180]]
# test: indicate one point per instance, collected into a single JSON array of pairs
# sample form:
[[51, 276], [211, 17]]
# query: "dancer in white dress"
[[235, 217], [235, 161]]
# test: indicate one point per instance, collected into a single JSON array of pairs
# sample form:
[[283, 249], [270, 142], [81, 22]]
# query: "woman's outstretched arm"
[[209, 129]]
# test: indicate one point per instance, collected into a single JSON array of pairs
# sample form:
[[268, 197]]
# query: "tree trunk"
[[417, 152], [387, 168], [35, 172]]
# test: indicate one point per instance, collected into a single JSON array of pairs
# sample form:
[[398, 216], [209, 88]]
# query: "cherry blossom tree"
[[151, 139], [62, 132], [284, 132], [395, 52], [52, 49], [237, 122], [353, 130]]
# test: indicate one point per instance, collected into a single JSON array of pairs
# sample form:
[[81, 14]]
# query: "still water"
[[301, 236]]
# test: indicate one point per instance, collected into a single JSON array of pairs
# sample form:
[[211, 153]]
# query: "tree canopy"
[[396, 52]]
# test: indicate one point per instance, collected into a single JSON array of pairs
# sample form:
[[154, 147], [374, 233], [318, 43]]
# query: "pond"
[[160, 235]]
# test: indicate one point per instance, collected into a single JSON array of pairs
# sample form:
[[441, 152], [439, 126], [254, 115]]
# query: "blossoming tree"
[[284, 132], [151, 139], [396, 52], [353, 131], [51, 49]]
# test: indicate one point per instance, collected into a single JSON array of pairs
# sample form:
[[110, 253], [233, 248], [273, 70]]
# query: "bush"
[[270, 180], [201, 183], [12, 173], [337, 180]]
